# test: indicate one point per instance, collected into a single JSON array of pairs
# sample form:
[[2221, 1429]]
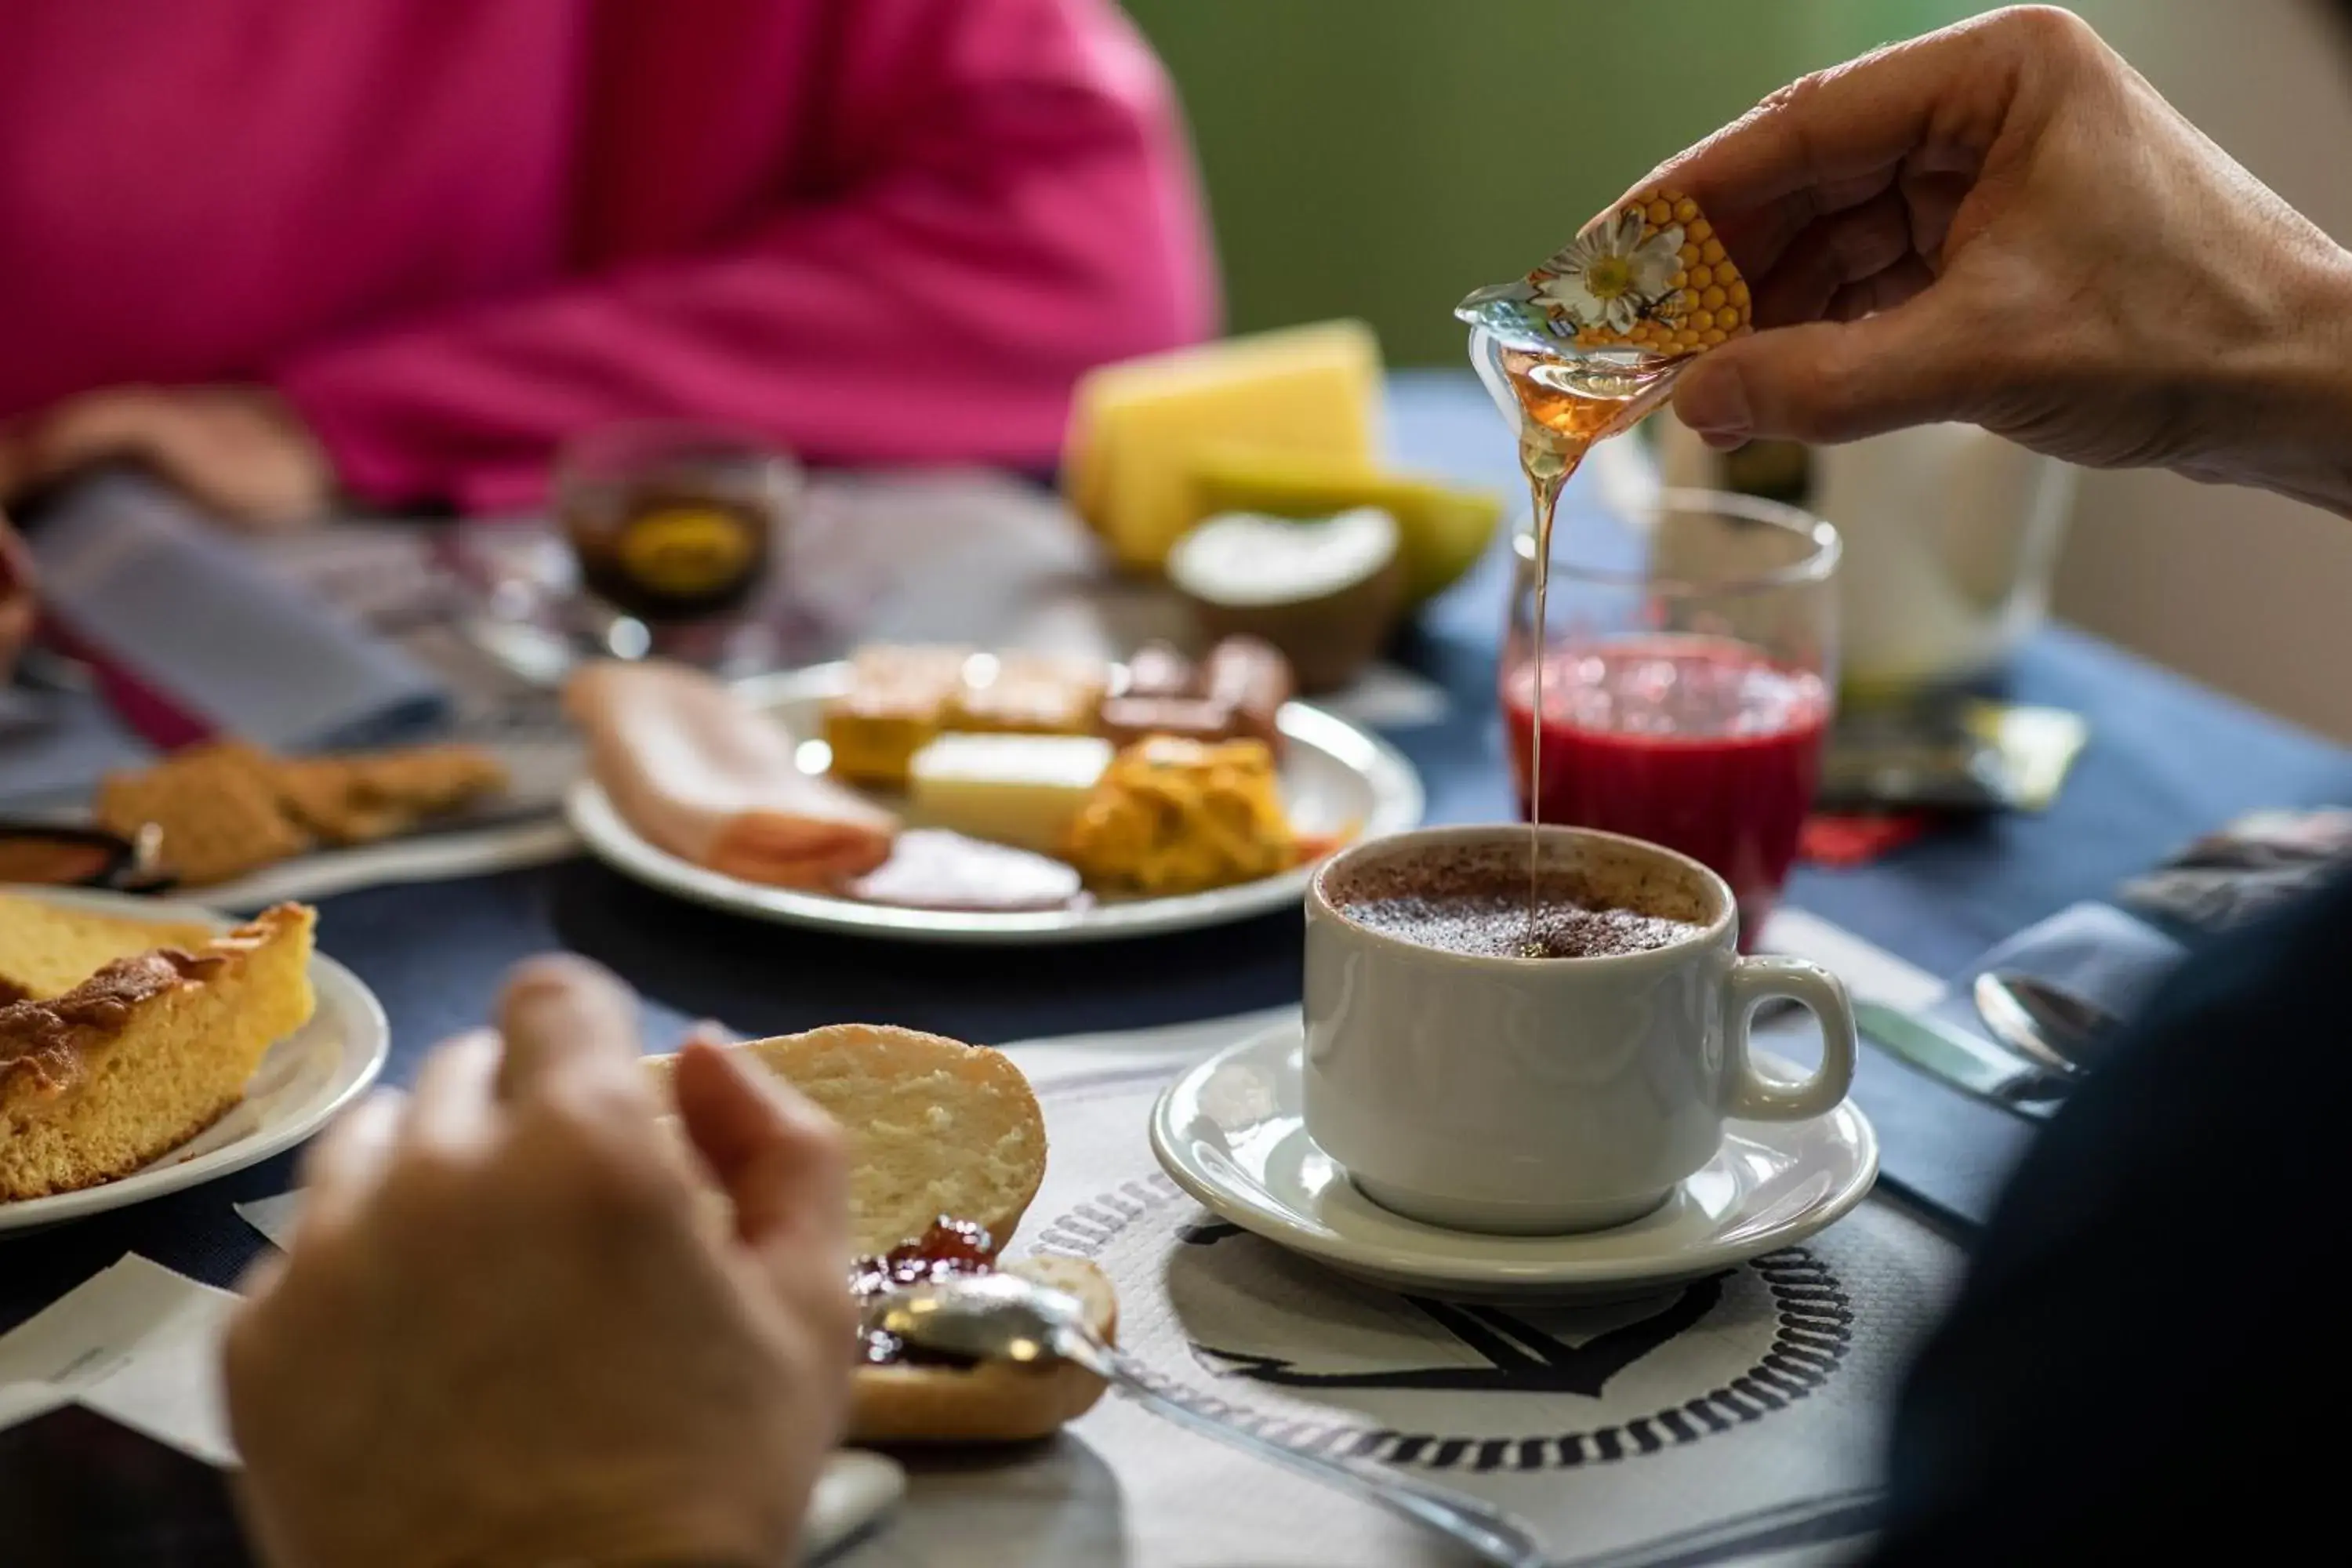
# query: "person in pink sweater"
[[393, 252]]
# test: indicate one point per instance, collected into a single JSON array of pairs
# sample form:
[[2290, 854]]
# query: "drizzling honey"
[[1580, 349], [1570, 404]]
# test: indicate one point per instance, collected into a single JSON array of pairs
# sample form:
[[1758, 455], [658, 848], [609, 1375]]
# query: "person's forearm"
[[2284, 403]]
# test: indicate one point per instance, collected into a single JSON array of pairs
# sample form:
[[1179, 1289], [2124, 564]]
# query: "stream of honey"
[[1570, 404]]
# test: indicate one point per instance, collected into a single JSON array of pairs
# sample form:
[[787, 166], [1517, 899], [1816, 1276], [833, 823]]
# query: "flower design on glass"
[[1611, 275]]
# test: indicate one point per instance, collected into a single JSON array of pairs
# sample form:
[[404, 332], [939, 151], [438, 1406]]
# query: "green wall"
[[1380, 158]]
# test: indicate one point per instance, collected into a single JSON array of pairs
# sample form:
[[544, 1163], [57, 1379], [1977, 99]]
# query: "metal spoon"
[[2051, 1027], [1004, 1317]]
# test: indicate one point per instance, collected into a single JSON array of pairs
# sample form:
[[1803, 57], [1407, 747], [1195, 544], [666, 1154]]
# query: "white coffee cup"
[[1543, 1095]]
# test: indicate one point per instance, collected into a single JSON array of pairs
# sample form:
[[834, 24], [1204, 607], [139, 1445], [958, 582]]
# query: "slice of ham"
[[712, 781]]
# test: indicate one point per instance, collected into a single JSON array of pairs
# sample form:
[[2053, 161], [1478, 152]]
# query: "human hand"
[[20, 605], [239, 452], [2002, 222], [500, 1335]]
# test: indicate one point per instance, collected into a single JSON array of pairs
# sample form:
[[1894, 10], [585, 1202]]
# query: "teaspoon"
[[1004, 1317], [2055, 1027]]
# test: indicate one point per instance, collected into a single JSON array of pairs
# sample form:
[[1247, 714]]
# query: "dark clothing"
[[2146, 1345]]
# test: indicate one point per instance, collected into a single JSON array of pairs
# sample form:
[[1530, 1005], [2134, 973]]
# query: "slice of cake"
[[46, 950], [145, 1054]]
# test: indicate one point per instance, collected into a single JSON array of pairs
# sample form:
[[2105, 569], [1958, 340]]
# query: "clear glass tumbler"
[[1688, 673], [674, 522]]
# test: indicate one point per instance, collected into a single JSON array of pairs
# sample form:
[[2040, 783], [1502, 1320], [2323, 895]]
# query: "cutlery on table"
[[1973, 1066], [2044, 1023], [1004, 1317]]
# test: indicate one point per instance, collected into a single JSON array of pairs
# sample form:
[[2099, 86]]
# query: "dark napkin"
[[1951, 1152], [2094, 950]]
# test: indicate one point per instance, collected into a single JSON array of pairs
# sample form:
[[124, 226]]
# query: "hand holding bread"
[[513, 1241], [935, 1129], [637, 1277]]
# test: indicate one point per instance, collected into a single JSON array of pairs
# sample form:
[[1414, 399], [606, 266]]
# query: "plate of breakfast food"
[[956, 794], [947, 1150], [146, 1046]]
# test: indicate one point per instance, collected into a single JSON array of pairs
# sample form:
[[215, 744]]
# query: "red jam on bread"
[[949, 1249]]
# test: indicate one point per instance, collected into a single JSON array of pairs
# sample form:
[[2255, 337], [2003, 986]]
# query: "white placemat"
[[1749, 1400]]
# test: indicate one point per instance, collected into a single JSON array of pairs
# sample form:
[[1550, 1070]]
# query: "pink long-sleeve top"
[[453, 232]]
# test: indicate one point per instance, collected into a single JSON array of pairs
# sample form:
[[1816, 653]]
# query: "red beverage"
[[1701, 745]]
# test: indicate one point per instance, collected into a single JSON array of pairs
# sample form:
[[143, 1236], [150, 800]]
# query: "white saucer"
[[1230, 1133]]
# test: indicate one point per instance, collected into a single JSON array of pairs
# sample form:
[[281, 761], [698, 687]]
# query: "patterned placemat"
[[1748, 1403]]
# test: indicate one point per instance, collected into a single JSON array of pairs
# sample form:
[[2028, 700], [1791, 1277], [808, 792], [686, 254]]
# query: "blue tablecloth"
[[2167, 760]]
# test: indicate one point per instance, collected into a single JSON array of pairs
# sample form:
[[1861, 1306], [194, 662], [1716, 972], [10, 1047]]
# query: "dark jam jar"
[[673, 522]]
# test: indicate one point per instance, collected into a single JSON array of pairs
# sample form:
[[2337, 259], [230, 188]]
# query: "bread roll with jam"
[[898, 1398], [947, 1150]]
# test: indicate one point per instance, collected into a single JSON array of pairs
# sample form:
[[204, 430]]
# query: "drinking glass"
[[673, 521], [1688, 672]]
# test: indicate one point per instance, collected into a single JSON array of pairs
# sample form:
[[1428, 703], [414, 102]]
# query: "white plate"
[[300, 1084], [1333, 774], [1230, 1133]]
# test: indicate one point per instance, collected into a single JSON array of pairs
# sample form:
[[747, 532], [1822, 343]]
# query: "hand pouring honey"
[[1586, 344]]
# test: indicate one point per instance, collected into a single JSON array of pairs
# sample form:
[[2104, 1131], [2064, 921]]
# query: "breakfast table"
[[2167, 760]]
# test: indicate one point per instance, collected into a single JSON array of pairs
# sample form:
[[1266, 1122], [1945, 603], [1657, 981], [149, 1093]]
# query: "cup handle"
[[1754, 981]]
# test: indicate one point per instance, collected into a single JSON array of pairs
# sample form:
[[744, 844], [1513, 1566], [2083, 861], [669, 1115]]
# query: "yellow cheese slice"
[[1137, 426], [1022, 790]]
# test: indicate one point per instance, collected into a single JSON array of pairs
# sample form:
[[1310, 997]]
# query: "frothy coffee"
[[1473, 899]]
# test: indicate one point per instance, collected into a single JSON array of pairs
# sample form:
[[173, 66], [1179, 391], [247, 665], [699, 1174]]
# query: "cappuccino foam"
[[1474, 899]]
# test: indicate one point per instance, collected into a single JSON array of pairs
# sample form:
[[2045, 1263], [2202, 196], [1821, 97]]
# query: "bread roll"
[[996, 1401], [936, 1127]]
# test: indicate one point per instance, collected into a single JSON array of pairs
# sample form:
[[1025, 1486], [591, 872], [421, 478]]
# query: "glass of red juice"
[[1688, 666]]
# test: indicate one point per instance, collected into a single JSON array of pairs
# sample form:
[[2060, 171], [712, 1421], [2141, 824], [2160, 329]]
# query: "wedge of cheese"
[[1022, 790], [1138, 427]]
